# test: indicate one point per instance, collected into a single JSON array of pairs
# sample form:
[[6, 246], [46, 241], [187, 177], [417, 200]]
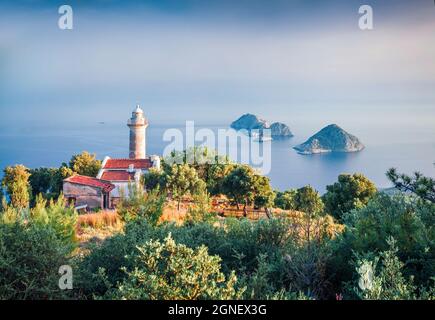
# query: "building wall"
[[88, 195], [120, 188]]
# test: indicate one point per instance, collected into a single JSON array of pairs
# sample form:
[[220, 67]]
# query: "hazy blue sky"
[[211, 61]]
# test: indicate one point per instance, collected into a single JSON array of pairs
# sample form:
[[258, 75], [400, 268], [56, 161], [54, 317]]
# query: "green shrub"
[[237, 243], [381, 278], [408, 221], [30, 257], [255, 250], [141, 205], [169, 271]]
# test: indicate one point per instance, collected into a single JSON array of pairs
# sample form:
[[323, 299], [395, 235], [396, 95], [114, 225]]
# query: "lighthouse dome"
[[138, 109]]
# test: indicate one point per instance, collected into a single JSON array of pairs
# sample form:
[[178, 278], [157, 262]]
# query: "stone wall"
[[90, 196]]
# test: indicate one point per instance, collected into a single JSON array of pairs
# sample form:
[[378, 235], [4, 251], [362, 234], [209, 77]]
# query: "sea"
[[407, 148]]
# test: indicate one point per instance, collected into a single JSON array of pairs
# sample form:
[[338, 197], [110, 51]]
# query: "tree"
[[155, 179], [201, 211], [210, 166], [309, 201], [422, 186], [48, 181], [264, 195], [183, 180], [16, 182], [239, 186], [216, 175], [85, 164], [171, 271], [2, 200], [244, 186], [350, 192], [286, 200]]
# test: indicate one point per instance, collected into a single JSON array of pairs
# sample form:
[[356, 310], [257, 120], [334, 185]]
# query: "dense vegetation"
[[353, 242]]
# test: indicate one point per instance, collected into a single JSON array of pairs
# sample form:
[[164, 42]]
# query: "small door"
[[105, 201]]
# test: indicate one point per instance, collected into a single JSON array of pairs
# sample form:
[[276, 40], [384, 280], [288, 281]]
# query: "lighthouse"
[[137, 124]]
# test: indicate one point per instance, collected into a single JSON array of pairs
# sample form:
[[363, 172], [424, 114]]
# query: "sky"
[[211, 61]]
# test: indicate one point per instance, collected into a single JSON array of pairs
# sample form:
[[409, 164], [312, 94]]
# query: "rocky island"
[[280, 130], [332, 138], [251, 122]]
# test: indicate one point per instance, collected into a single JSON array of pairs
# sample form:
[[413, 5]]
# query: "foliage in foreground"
[[170, 271], [409, 221], [257, 251], [32, 249], [381, 278], [138, 205], [303, 255]]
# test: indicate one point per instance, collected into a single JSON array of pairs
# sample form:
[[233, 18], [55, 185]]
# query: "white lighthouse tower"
[[137, 124]]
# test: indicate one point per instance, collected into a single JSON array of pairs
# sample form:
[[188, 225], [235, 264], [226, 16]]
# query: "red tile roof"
[[117, 176], [124, 163], [92, 182]]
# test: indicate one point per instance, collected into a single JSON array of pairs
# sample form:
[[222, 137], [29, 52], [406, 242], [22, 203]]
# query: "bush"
[[172, 271], [33, 247], [306, 270], [30, 257], [408, 221], [201, 211], [384, 280], [243, 245], [141, 205]]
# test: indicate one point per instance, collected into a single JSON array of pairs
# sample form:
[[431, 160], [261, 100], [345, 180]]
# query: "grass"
[[99, 220], [96, 227]]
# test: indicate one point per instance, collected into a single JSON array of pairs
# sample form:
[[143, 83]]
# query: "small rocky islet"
[[331, 138], [251, 122]]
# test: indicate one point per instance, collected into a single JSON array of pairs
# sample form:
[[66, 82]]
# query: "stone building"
[[87, 191], [119, 173]]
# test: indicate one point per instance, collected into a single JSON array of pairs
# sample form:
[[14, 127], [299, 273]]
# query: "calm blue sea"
[[406, 148]]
